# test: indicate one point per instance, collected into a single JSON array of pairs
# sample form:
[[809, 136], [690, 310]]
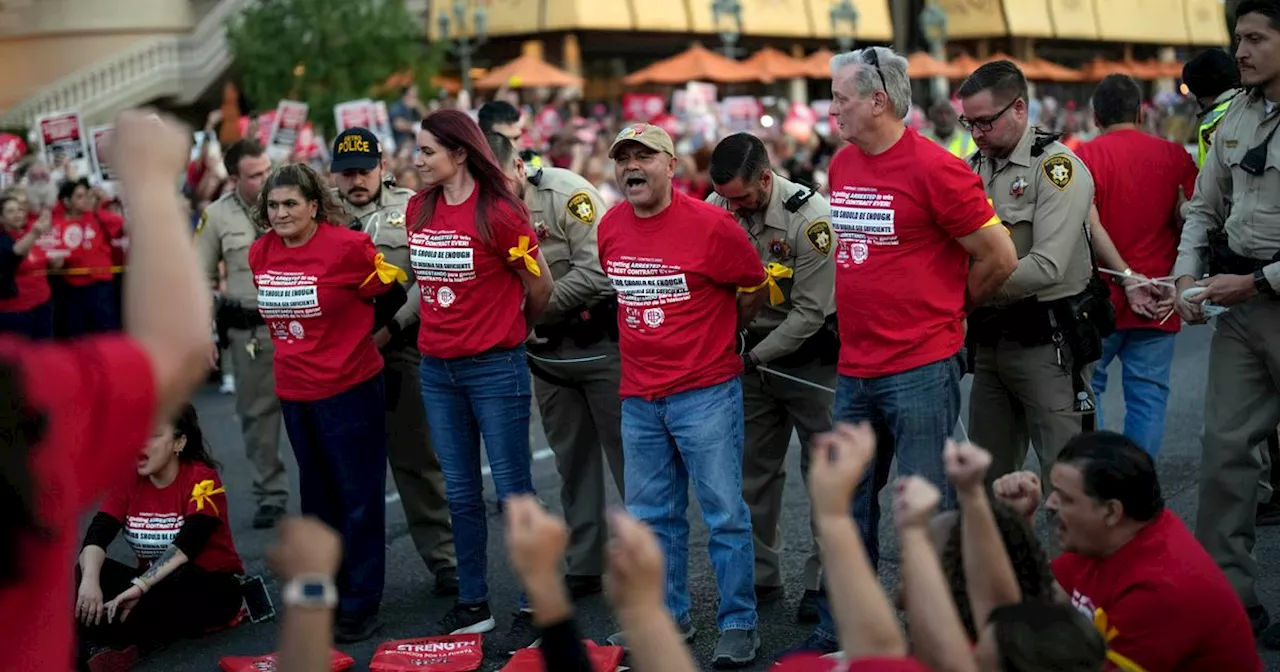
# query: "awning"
[[777, 64], [1206, 22], [782, 18], [819, 63], [975, 18], [1027, 18], [529, 72], [922, 65], [696, 63], [1075, 19], [1149, 21], [518, 17], [874, 23], [590, 14]]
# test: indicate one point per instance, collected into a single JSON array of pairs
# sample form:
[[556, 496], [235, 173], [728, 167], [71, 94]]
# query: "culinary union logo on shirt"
[[445, 297], [859, 252], [296, 330], [74, 235], [653, 317]]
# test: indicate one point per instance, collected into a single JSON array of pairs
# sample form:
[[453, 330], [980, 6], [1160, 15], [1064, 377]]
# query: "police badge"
[[779, 249], [541, 229], [1019, 187]]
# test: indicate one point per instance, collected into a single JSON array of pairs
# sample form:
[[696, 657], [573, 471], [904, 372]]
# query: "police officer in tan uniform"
[[1232, 235], [379, 210], [225, 232], [574, 356], [790, 226], [1032, 358]]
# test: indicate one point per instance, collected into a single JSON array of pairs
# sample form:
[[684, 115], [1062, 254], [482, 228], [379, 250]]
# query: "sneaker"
[[351, 629], [464, 619], [736, 648], [446, 583], [687, 631], [523, 634], [815, 645], [267, 516], [583, 586], [106, 659], [228, 384], [807, 612], [768, 595]]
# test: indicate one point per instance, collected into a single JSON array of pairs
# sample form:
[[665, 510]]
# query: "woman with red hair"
[[484, 285]]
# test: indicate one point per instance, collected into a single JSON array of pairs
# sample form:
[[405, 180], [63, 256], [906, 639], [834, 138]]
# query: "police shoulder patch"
[[819, 236], [581, 208], [1060, 170]]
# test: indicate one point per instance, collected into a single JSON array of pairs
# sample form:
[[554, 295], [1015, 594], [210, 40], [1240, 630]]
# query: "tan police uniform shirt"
[[225, 232], [1044, 201], [383, 219], [1228, 196], [802, 242], [566, 208]]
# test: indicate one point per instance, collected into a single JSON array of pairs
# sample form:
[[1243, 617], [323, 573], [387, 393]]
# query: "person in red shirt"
[[78, 413], [1140, 183], [917, 242], [687, 279], [174, 517], [316, 283], [26, 306], [1132, 566], [86, 235], [484, 285]]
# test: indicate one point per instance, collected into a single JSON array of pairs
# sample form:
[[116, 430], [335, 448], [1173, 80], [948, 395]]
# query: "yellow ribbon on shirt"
[[385, 271], [773, 272], [204, 492], [1108, 633], [522, 249]]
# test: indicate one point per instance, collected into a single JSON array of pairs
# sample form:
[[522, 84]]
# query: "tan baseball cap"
[[648, 135]]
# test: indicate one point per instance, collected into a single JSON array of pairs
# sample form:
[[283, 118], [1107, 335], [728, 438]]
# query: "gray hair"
[[867, 81]]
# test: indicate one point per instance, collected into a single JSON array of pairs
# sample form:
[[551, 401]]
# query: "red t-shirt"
[[1167, 605], [99, 397], [1136, 178], [86, 243], [315, 299], [900, 274], [30, 277], [677, 276], [153, 516], [472, 296]]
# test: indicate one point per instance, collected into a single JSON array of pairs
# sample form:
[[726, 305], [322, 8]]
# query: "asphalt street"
[[408, 609]]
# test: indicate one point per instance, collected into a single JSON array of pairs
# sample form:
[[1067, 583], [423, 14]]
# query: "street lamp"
[[732, 10], [933, 24], [844, 11], [462, 45]]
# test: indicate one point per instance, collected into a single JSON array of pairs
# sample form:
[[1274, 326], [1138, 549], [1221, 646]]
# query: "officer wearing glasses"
[[1031, 345]]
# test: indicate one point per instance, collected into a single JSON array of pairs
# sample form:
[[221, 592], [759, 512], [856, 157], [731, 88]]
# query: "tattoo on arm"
[[169, 555]]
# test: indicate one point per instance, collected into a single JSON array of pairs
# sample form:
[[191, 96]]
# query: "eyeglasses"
[[872, 59], [985, 125]]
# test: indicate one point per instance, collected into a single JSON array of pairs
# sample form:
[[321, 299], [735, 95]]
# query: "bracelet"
[[141, 583]]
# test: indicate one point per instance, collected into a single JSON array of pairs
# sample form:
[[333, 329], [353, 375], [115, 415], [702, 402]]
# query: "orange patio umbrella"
[[777, 64], [528, 71], [696, 64], [1052, 72], [922, 65], [963, 65], [819, 64], [1028, 70], [1097, 69]]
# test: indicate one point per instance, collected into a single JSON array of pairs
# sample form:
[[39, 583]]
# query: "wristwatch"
[[311, 591], [1262, 284]]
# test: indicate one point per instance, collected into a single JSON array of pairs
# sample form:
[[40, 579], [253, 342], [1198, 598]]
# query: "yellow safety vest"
[[961, 144], [1208, 126]]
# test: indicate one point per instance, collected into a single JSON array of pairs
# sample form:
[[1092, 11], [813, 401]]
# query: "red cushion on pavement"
[[603, 659], [449, 653], [338, 662]]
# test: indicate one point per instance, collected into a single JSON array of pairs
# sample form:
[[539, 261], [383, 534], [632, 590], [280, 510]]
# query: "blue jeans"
[[1146, 358], [340, 445], [467, 398], [698, 435], [913, 413], [35, 324]]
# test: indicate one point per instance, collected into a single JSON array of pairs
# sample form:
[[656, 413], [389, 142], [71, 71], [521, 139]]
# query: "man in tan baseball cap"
[[644, 163]]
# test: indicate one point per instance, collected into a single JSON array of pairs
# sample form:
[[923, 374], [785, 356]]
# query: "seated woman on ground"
[[174, 516]]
